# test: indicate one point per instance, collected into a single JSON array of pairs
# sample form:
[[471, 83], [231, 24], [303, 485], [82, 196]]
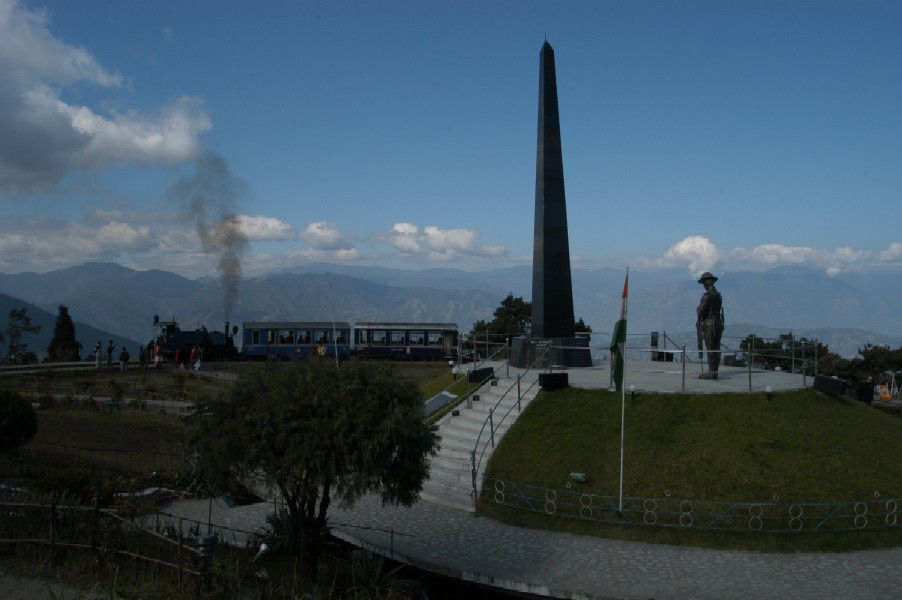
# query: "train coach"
[[376, 340], [302, 338], [406, 341]]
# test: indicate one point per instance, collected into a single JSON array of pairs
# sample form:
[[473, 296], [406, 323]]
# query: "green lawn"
[[801, 446]]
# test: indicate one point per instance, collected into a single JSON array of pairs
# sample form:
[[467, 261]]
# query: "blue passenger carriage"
[[287, 339], [406, 341]]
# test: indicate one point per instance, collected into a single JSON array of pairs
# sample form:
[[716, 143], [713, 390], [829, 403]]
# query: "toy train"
[[405, 341], [376, 340]]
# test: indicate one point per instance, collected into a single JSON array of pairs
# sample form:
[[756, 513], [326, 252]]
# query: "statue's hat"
[[706, 276]]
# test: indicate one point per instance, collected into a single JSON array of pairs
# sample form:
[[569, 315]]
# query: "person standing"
[[195, 357], [109, 354], [709, 323], [123, 360]]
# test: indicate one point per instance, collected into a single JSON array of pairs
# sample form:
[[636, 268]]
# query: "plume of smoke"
[[210, 196]]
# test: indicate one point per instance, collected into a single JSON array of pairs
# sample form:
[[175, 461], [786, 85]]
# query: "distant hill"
[[38, 342], [845, 312]]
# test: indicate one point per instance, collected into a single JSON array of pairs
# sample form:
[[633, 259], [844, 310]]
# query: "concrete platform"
[[671, 377]]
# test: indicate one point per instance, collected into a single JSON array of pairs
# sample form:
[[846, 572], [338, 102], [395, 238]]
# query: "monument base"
[[527, 352]]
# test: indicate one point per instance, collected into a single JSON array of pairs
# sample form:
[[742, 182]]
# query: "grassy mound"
[[801, 446]]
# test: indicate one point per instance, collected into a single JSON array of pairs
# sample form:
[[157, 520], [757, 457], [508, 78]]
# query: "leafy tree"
[[17, 324], [18, 422], [64, 347], [318, 433], [513, 317]]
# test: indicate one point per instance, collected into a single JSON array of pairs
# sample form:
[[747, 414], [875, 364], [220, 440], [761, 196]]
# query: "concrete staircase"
[[450, 482]]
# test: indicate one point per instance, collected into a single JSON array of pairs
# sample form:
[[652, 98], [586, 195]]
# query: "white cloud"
[[404, 237], [440, 244], [326, 236], [43, 137], [43, 243], [699, 254], [260, 228], [892, 253]]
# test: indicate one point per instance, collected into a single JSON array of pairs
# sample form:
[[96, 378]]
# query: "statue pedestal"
[[561, 352]]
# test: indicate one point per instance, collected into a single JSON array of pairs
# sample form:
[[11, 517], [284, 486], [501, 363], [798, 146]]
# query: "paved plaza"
[[459, 544]]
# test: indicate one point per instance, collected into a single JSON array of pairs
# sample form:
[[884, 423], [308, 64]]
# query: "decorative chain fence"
[[774, 516]]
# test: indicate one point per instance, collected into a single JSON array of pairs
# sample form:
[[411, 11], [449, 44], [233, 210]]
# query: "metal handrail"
[[490, 420]]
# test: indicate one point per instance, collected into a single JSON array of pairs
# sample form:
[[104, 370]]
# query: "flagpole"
[[623, 399], [622, 430]]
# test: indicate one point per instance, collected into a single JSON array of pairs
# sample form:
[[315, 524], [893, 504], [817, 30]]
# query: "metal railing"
[[769, 516], [476, 463]]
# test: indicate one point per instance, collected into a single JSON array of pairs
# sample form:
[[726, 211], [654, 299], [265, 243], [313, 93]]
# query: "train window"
[[305, 337], [398, 338], [360, 336], [270, 336], [255, 337], [417, 338], [323, 336], [286, 337], [342, 336], [435, 338], [378, 337]]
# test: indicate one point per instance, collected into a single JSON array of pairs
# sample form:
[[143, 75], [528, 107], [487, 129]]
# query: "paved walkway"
[[458, 544]]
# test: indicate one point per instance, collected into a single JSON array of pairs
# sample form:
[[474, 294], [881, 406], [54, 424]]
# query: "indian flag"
[[618, 341]]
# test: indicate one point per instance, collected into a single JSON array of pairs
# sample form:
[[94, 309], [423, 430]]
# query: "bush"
[[18, 421]]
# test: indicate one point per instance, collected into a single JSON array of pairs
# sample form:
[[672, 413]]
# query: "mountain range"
[[107, 300]]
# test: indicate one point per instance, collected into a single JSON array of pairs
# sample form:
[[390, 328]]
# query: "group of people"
[[152, 353], [124, 356]]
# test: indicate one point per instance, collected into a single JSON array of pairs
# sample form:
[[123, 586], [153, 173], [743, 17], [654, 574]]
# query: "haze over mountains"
[[845, 311]]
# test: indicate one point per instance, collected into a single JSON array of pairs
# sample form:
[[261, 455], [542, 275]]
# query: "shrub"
[[18, 422]]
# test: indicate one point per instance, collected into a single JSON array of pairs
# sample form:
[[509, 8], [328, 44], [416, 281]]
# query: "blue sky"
[[699, 135]]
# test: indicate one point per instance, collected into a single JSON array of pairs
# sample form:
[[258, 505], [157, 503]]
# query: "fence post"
[[52, 519], [804, 367], [492, 426], [518, 391], [178, 580], [815, 357], [473, 472], [683, 361], [792, 349], [94, 516], [751, 359]]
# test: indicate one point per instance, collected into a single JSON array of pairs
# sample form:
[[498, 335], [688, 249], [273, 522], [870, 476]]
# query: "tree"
[[318, 433], [17, 324], [18, 422], [785, 352], [513, 317], [64, 347]]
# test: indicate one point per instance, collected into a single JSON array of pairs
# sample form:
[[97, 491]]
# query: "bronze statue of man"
[[709, 324]]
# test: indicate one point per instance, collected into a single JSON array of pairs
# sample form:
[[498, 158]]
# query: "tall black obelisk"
[[552, 341], [552, 289]]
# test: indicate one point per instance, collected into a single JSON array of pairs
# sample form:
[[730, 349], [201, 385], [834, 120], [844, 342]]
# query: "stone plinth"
[[562, 352]]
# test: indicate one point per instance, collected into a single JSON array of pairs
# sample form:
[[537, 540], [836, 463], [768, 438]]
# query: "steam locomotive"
[[215, 345]]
